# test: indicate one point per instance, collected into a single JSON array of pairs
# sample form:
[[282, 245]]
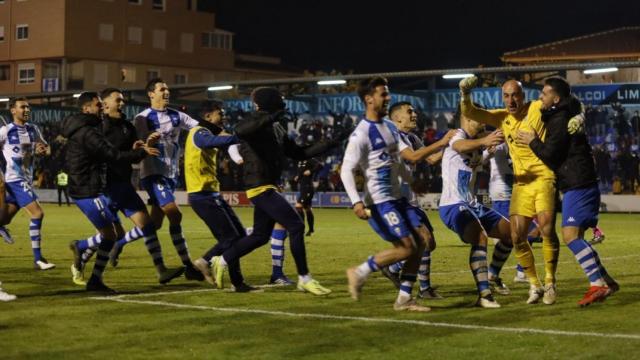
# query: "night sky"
[[409, 35]]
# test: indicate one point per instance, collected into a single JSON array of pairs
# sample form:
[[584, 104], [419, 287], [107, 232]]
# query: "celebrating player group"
[[535, 150]]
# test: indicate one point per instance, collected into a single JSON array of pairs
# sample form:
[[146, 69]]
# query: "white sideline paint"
[[124, 299]]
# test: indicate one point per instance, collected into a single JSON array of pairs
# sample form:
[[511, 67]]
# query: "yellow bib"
[[200, 166]]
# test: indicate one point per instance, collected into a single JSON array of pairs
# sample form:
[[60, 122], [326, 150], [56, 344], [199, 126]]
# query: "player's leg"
[[545, 202], [59, 196], [11, 211], [424, 231], [501, 230], [474, 234], [308, 211], [299, 207], [35, 227]]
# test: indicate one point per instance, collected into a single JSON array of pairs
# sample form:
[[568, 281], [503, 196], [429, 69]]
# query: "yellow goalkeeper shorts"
[[533, 198]]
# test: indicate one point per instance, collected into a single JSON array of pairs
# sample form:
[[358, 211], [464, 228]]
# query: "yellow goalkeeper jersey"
[[527, 167]]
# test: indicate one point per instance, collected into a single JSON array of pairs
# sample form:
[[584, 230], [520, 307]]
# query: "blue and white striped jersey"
[[18, 147], [168, 123], [459, 173], [501, 180], [374, 147]]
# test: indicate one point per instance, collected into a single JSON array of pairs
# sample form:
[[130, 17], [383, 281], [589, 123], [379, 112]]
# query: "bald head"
[[513, 96]]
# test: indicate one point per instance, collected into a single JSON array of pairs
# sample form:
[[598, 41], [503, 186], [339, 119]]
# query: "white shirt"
[[18, 147], [501, 180], [459, 173], [413, 142], [374, 147], [168, 123]]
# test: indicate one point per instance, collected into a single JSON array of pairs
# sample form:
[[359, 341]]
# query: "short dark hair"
[[14, 100], [209, 106], [560, 86], [87, 97], [395, 107], [368, 86], [108, 91], [151, 84]]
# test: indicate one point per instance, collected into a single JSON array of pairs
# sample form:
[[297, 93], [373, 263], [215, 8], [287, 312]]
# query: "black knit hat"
[[269, 99]]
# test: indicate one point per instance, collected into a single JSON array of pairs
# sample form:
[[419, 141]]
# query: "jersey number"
[[392, 218]]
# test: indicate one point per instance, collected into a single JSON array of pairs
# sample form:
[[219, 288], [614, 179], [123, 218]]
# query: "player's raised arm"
[[467, 109], [466, 145]]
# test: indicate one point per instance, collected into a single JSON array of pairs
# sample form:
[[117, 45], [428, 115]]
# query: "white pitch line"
[[122, 299]]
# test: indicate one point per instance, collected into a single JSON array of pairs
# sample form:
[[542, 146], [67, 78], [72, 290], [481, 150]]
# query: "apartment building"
[[58, 45]]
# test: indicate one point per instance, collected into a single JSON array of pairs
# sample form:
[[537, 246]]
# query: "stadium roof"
[[617, 44]]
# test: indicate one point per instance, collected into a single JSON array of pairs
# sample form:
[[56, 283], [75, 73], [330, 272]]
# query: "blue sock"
[[396, 267], [406, 284], [277, 252], [424, 271], [34, 232], [180, 244], [587, 258], [131, 235], [478, 265], [91, 242]]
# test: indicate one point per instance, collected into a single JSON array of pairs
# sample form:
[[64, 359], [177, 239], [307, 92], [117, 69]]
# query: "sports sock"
[[406, 285], [367, 267], [500, 255], [153, 245], [86, 256], [180, 244], [603, 272], [550, 252], [478, 265], [102, 257], [91, 242], [277, 252], [396, 267], [524, 254], [586, 257], [34, 232], [131, 235], [424, 271]]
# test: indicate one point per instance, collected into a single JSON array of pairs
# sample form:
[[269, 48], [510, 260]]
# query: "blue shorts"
[[417, 218], [457, 217], [124, 198], [390, 220], [160, 189], [20, 193], [97, 210], [580, 207], [502, 207]]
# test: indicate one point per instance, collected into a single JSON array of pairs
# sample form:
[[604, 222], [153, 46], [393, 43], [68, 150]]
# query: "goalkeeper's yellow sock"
[[524, 253], [550, 252]]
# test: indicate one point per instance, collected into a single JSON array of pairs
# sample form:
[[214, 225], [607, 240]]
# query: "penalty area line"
[[124, 299]]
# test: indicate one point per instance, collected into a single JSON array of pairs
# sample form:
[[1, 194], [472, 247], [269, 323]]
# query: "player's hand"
[[41, 149], [444, 142], [525, 137], [151, 151], [306, 173], [152, 139], [467, 84], [493, 139], [576, 124], [360, 211]]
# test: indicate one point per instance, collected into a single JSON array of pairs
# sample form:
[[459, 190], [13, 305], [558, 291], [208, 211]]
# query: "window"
[[22, 32], [1, 33], [129, 74], [180, 79], [159, 39], [105, 32], [218, 40], [5, 72], [26, 73], [51, 71], [152, 74], [100, 74], [158, 5], [134, 35], [186, 42], [136, 2]]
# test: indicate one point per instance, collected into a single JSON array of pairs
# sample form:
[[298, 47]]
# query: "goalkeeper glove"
[[576, 124], [467, 84]]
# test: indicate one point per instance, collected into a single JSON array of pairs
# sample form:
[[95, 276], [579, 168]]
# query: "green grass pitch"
[[53, 318]]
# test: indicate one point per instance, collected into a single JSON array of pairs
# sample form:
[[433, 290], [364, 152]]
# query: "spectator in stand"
[[603, 167], [635, 123]]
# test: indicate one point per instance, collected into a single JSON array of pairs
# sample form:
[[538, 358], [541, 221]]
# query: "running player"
[[21, 142]]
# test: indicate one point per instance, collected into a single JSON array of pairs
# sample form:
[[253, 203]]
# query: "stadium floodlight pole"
[[456, 76], [600, 70], [332, 82], [220, 88]]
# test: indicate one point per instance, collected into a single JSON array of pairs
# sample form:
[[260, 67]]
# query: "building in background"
[[621, 44], [58, 45]]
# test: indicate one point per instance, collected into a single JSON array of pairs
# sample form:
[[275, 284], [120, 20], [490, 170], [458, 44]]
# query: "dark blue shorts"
[[20, 193], [97, 210], [124, 198], [502, 207], [417, 218], [160, 189], [391, 220], [580, 207], [457, 217]]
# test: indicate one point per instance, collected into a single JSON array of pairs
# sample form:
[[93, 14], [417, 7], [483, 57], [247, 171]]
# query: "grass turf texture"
[[53, 318]]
